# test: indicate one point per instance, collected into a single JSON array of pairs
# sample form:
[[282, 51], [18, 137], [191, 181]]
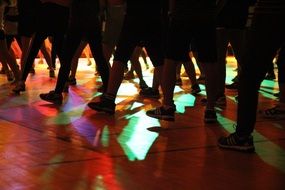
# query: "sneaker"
[[233, 86], [210, 116], [72, 81], [234, 142], [274, 113], [104, 105], [149, 93], [195, 89], [178, 82], [51, 74], [52, 97], [270, 76], [143, 85], [220, 102], [162, 113], [20, 87]]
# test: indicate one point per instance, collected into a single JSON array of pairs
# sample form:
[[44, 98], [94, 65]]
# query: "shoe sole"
[[166, 118], [238, 148], [100, 109], [58, 102]]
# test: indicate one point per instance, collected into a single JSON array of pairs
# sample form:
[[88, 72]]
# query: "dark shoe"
[[178, 82], [52, 97], [220, 102], [162, 113], [20, 87], [2, 71], [210, 116], [276, 94], [233, 86], [270, 76], [104, 105], [274, 113], [201, 78], [149, 93], [143, 85], [234, 142], [72, 81], [195, 89]]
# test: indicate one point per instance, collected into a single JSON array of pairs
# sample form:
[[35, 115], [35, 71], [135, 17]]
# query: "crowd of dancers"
[[164, 30]]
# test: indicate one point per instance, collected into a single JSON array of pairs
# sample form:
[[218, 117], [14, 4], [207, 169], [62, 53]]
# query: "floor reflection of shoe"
[[234, 142], [162, 113], [20, 87], [178, 82], [233, 86], [52, 97], [270, 76]]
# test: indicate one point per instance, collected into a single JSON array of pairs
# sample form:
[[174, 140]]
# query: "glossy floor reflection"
[[73, 147]]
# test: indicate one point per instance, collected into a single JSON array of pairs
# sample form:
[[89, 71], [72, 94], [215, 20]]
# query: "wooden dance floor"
[[74, 148]]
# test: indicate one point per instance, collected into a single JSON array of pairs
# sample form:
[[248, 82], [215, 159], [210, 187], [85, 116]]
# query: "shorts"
[[192, 35], [113, 25], [142, 32]]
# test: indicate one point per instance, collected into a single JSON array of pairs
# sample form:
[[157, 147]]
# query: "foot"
[[52, 97], [210, 116], [104, 105], [235, 142], [162, 113], [72, 81], [274, 113], [149, 93], [143, 85]]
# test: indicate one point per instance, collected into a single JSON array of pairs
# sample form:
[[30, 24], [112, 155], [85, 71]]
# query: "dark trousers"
[[91, 34], [265, 37], [281, 65]]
